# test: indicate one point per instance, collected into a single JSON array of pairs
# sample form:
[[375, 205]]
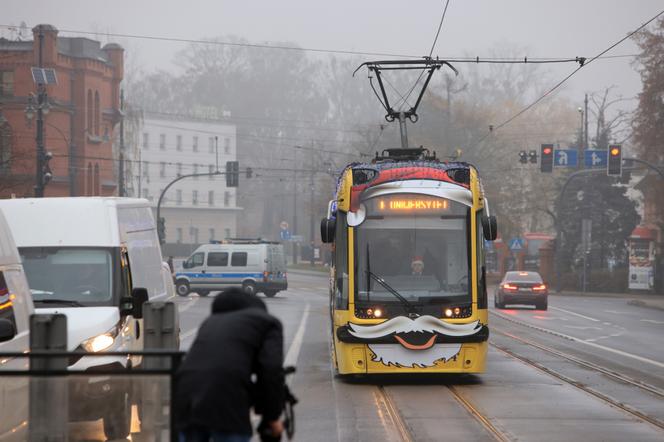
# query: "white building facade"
[[196, 209]]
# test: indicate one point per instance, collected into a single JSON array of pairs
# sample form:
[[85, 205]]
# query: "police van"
[[255, 265]]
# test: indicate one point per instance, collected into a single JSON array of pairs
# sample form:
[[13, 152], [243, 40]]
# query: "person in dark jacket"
[[215, 391]]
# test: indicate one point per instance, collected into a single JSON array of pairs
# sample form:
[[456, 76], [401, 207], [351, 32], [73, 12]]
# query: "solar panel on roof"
[[44, 76], [38, 76], [50, 76]]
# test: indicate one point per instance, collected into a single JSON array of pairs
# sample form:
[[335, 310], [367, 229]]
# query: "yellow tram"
[[408, 288]]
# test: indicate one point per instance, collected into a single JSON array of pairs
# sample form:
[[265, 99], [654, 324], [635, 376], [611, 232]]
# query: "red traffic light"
[[547, 150]]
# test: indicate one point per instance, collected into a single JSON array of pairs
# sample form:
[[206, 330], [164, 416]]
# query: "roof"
[[80, 47], [75, 222], [643, 232], [15, 45], [8, 253]]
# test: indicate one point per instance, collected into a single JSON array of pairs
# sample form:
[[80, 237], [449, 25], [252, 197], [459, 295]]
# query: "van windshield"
[[68, 276]]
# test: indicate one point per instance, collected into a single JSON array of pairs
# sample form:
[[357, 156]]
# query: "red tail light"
[[509, 286], [539, 288]]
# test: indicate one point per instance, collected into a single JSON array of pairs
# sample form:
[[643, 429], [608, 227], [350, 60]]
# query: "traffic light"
[[546, 158], [532, 156], [523, 157], [161, 230], [614, 164], [250, 172], [232, 173]]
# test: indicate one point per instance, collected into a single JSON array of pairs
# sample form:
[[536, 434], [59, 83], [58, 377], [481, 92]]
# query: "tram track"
[[579, 385], [481, 418], [395, 417]]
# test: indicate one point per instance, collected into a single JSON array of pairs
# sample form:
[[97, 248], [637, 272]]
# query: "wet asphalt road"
[[551, 375]]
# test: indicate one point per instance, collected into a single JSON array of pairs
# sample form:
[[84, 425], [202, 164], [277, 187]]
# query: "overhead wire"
[[564, 80]]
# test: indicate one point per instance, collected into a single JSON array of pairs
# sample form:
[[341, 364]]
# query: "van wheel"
[[249, 288], [182, 287], [203, 292], [117, 423], [270, 293]]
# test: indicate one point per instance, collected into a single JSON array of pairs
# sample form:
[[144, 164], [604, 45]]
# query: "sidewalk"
[[653, 301]]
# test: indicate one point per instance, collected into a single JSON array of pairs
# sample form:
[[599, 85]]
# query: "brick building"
[[83, 111]]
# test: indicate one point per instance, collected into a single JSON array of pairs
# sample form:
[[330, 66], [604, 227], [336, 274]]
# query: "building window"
[[146, 171], [146, 140], [97, 185], [162, 169], [194, 197], [178, 235], [227, 233], [227, 198], [227, 145], [5, 149], [195, 170], [146, 193], [211, 234], [97, 112], [90, 111], [210, 171], [6, 83], [211, 144], [162, 141], [193, 232], [211, 197], [178, 142], [178, 197], [178, 169], [194, 144]]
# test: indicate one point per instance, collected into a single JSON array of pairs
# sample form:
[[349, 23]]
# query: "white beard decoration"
[[405, 354]]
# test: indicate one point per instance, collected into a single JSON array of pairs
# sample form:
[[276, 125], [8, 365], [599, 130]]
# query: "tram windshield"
[[417, 245]]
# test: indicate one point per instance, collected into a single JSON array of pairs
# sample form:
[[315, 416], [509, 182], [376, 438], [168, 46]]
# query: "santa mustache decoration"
[[417, 338]]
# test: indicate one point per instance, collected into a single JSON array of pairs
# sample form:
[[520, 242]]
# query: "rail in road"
[[654, 392]]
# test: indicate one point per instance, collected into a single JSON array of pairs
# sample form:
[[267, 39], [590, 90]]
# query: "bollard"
[[49, 395], [161, 331]]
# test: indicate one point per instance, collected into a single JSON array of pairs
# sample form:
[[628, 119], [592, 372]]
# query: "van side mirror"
[[327, 228], [133, 305], [7, 330], [490, 227]]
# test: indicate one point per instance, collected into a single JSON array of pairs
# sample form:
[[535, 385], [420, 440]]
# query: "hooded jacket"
[[214, 386]]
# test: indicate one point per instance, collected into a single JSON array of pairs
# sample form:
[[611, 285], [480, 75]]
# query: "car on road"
[[522, 288], [255, 265], [97, 260]]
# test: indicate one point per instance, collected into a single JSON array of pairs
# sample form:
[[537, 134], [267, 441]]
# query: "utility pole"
[[140, 172], [41, 98], [585, 134], [294, 203], [311, 205], [121, 172], [216, 150]]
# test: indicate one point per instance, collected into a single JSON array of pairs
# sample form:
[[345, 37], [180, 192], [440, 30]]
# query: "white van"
[[15, 310], [253, 264], [97, 260]]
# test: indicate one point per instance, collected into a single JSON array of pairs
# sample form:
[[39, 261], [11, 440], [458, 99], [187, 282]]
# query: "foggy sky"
[[559, 28]]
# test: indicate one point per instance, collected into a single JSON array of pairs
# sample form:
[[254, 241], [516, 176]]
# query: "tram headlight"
[[370, 313], [457, 312], [448, 312], [378, 313]]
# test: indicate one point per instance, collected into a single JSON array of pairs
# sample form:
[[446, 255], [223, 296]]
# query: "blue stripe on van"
[[220, 275]]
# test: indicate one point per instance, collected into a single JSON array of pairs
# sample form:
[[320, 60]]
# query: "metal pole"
[[294, 203], [404, 130], [311, 205], [121, 172], [216, 150], [140, 174], [585, 133], [39, 165]]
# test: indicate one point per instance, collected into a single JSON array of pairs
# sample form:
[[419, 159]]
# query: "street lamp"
[[41, 107]]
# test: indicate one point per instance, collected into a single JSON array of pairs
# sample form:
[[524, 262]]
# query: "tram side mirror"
[[490, 227], [327, 228]]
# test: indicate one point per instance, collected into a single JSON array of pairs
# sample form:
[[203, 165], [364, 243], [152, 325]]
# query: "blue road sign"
[[516, 244], [285, 235], [595, 158], [565, 158]]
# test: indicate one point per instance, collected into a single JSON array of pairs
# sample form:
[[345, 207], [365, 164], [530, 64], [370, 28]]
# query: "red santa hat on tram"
[[417, 260]]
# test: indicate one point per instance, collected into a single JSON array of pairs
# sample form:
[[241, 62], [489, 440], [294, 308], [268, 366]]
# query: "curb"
[[639, 303], [308, 272]]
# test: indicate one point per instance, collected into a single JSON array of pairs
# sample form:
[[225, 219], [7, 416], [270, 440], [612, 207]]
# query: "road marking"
[[588, 342], [188, 305], [616, 312], [575, 314], [652, 321], [296, 345], [581, 327]]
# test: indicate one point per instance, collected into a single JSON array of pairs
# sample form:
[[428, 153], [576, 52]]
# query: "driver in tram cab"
[[417, 266]]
